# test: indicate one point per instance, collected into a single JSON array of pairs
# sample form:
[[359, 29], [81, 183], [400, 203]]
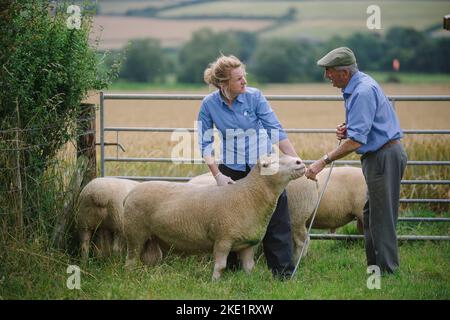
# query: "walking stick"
[[313, 216]]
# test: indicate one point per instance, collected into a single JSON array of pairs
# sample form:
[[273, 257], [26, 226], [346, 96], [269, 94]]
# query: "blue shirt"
[[247, 129], [369, 115]]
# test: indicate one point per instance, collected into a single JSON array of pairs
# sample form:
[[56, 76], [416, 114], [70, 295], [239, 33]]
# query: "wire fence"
[[36, 173]]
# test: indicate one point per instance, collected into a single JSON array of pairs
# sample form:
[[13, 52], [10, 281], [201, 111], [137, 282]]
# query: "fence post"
[[86, 141], [85, 171]]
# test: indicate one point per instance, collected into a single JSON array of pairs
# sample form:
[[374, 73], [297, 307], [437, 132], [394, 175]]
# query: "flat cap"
[[342, 56]]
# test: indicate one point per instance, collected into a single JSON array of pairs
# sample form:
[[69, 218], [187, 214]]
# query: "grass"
[[123, 85], [411, 78], [331, 270], [381, 77]]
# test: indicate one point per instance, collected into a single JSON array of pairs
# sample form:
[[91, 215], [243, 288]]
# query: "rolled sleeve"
[[360, 116], [268, 119]]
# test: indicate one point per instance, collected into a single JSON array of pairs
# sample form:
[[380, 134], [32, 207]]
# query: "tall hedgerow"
[[48, 66]]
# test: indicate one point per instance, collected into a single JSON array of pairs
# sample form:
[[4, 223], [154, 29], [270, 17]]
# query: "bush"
[[145, 62], [47, 70]]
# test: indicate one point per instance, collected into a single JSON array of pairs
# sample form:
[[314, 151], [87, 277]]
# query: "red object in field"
[[395, 65]]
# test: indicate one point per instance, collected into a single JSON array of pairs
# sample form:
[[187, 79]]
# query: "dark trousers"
[[383, 171], [277, 242]]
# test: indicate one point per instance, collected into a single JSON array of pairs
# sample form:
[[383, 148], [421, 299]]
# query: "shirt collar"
[[239, 98], [352, 83]]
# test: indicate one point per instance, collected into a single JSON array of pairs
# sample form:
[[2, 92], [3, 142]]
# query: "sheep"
[[345, 197], [342, 202], [101, 210], [197, 218]]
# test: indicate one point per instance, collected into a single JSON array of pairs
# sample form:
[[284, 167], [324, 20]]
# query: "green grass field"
[[382, 77], [330, 270]]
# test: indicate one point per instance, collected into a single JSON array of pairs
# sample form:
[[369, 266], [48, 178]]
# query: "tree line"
[[281, 60]]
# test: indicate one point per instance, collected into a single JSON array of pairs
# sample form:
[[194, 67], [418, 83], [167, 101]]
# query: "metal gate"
[[185, 97]]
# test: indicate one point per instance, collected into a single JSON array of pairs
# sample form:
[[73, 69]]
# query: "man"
[[373, 130]]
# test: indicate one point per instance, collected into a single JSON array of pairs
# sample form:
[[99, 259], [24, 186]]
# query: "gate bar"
[[320, 236]]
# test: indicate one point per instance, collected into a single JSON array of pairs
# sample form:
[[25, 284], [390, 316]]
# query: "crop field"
[[115, 32], [318, 20]]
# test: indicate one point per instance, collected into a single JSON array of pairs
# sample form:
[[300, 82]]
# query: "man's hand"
[[341, 131], [223, 180], [314, 169]]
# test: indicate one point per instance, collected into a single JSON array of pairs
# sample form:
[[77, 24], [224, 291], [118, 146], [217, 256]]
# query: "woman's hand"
[[223, 180]]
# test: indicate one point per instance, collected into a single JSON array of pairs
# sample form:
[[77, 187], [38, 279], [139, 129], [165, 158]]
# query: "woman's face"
[[237, 82]]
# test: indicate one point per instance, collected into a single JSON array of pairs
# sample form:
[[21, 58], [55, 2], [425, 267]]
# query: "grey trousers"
[[383, 171]]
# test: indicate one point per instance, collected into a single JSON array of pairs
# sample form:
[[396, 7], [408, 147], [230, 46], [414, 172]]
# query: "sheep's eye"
[[266, 164]]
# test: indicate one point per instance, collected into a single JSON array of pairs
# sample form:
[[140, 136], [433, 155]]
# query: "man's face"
[[339, 78]]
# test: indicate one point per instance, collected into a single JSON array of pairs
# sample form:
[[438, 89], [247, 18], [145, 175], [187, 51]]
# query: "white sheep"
[[345, 198], [342, 202], [100, 211], [196, 218]]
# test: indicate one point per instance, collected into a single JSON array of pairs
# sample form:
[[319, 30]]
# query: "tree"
[[203, 48], [402, 44], [283, 60], [145, 62], [369, 49]]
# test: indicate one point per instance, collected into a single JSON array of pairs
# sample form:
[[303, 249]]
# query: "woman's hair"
[[219, 71]]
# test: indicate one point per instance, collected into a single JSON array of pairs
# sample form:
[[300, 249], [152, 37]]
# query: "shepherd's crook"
[[313, 216]]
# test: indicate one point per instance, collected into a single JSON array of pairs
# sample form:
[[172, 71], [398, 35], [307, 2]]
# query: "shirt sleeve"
[[205, 130], [360, 115], [268, 119]]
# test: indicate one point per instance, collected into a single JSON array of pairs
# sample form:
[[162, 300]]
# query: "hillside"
[[173, 21]]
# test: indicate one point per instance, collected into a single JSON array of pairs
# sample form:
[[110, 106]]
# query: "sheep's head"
[[281, 166]]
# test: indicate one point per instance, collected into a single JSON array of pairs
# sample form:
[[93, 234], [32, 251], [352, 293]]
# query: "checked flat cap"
[[342, 56]]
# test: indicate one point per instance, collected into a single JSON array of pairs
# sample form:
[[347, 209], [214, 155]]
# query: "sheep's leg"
[[360, 225], [135, 246], [152, 253], [246, 255], [221, 251], [103, 246], [300, 239], [117, 242], [85, 238]]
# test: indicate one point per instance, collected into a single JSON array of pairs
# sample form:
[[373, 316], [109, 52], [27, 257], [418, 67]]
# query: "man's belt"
[[390, 143], [386, 145]]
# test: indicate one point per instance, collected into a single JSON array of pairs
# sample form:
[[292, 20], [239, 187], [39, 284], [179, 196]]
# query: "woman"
[[248, 127]]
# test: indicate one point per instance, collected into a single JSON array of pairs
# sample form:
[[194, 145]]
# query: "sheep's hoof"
[[130, 264], [216, 276]]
